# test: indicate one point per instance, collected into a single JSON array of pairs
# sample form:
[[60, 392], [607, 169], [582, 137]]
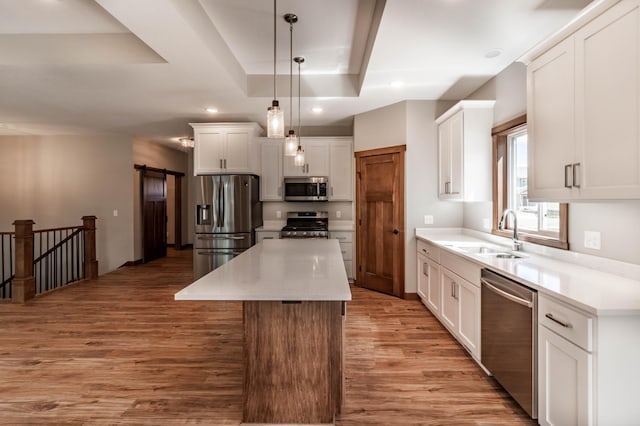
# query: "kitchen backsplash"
[[270, 209]]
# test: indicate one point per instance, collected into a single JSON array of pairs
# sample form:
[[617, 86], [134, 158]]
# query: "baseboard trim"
[[411, 296], [132, 263]]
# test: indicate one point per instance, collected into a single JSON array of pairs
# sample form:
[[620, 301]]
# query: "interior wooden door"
[[154, 214], [380, 220]]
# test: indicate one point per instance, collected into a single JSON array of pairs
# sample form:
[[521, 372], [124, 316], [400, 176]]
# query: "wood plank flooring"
[[120, 350]]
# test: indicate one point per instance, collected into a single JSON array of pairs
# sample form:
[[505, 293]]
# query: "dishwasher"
[[509, 337]]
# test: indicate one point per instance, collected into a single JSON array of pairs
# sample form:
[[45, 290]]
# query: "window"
[[538, 222]]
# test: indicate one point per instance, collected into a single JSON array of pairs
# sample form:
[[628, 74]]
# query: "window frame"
[[500, 170]]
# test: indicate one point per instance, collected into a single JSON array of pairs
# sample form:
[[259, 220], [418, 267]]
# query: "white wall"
[[159, 156], [55, 180], [617, 221], [411, 123]]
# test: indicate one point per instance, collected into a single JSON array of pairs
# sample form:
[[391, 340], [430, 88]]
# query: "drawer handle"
[[341, 238], [425, 250], [564, 324]]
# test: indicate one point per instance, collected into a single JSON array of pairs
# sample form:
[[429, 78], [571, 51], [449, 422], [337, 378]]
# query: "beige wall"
[[411, 123], [159, 156], [617, 221], [55, 180]]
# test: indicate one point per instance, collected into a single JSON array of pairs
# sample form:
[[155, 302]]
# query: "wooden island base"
[[292, 361]]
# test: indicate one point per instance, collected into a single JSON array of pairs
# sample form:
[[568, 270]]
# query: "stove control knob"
[[304, 233]]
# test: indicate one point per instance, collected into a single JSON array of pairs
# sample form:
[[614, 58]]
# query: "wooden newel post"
[[90, 262], [24, 283]]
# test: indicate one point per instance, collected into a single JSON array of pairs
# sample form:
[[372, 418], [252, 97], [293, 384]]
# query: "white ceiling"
[[149, 67]]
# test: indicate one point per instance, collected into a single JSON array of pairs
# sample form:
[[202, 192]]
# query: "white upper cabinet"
[[608, 104], [316, 156], [464, 151], [271, 169], [341, 169], [226, 148], [551, 135], [584, 111]]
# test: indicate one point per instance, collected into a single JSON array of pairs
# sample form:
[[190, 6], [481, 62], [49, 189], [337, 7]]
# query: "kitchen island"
[[293, 294]]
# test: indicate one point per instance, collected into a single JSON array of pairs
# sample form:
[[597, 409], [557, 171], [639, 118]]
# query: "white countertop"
[[597, 292], [289, 269]]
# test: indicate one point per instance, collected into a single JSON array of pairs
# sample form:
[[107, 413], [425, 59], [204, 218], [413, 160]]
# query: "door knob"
[[396, 232]]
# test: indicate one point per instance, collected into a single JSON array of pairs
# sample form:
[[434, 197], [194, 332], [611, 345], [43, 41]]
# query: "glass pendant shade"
[[275, 121], [290, 144], [299, 159]]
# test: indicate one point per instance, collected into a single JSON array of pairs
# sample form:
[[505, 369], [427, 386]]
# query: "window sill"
[[534, 239]]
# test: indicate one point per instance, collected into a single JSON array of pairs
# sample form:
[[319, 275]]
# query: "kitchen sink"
[[506, 256], [496, 252], [479, 249]]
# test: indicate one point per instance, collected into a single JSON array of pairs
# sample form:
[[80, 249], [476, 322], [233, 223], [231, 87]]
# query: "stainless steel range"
[[306, 225]]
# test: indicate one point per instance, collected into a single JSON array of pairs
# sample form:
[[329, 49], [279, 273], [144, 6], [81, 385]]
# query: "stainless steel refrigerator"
[[228, 210]]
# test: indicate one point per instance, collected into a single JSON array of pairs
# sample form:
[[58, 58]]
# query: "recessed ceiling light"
[[397, 83], [211, 110], [317, 110], [493, 53]]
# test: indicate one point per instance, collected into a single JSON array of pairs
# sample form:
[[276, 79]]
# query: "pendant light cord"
[[299, 111], [291, 76], [274, 48]]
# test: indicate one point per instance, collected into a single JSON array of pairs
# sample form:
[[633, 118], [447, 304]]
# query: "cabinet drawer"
[[467, 270], [573, 325], [429, 250], [343, 237], [347, 250]]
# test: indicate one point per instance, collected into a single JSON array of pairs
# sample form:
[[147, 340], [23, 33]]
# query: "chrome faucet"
[[517, 245]]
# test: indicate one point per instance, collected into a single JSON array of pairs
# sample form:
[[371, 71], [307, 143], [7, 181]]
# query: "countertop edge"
[[564, 298]]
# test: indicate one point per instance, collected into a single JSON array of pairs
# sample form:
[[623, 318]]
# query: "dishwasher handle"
[[506, 295]]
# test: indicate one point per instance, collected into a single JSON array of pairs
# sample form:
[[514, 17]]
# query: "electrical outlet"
[[278, 214], [486, 223], [592, 240], [115, 213], [428, 219], [338, 214]]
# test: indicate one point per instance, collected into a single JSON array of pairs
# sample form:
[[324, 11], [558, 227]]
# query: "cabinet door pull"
[[225, 163], [221, 164], [424, 269], [567, 168], [446, 187], [562, 323], [453, 289], [574, 166]]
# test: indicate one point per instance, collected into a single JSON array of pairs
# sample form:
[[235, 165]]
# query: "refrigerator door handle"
[[214, 252], [217, 237], [219, 204], [223, 200]]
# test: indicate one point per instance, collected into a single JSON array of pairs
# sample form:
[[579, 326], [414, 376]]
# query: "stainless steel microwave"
[[306, 188]]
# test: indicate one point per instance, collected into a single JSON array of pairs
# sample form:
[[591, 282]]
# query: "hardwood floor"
[[120, 350]]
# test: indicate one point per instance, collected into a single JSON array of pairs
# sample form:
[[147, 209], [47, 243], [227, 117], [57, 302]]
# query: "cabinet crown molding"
[[468, 104], [590, 12]]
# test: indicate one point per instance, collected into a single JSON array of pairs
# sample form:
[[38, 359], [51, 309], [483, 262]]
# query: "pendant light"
[[275, 116], [299, 158], [291, 141]]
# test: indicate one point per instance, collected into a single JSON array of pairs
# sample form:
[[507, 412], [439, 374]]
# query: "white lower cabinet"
[[267, 235], [429, 283], [564, 381], [449, 286], [460, 311], [346, 247], [469, 319]]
